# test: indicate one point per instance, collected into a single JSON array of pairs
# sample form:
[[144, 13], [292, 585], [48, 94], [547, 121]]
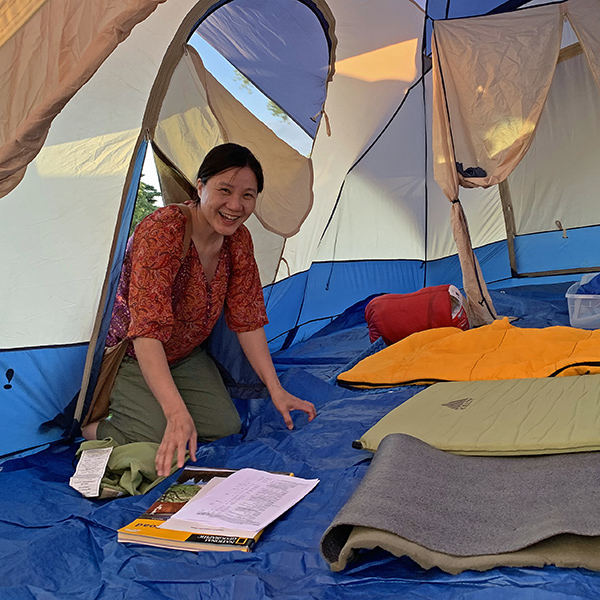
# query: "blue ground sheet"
[[56, 544]]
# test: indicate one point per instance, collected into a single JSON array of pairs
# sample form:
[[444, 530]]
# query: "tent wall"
[[43, 382], [386, 199], [378, 222], [566, 145], [197, 113], [286, 53], [58, 228], [380, 64]]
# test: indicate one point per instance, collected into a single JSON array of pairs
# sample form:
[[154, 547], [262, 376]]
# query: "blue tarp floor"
[[56, 544]]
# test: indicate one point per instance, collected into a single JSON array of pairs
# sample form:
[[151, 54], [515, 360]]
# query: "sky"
[[256, 102]]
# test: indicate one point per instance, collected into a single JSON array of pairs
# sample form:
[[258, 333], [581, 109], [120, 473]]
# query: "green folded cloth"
[[130, 469]]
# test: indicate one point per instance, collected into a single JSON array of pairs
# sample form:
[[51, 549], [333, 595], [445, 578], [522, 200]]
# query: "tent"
[[88, 86]]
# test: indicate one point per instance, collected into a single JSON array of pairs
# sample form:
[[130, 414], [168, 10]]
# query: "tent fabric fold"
[[479, 305], [585, 19], [491, 78], [68, 42], [198, 113], [495, 74]]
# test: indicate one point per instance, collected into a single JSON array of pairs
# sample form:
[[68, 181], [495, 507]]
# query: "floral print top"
[[161, 297]]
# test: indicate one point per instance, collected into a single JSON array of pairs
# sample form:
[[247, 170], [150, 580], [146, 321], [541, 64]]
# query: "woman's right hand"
[[180, 436], [180, 433]]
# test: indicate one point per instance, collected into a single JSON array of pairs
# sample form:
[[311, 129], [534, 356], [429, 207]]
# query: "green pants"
[[136, 415]]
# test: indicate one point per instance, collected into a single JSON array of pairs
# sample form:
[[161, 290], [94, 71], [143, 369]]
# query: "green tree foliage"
[[145, 203], [273, 108], [277, 112], [245, 83]]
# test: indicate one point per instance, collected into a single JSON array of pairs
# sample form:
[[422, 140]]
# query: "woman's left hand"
[[285, 402]]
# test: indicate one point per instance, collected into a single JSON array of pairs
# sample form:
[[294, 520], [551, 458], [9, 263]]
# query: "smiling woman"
[[169, 298], [226, 198]]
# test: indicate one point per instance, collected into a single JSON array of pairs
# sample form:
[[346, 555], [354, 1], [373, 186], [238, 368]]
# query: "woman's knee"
[[229, 424]]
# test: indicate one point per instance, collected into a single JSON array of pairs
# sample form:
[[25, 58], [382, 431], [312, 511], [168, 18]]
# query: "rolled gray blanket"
[[467, 506]]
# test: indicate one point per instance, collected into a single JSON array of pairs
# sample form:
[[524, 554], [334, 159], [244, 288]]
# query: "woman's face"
[[228, 199]]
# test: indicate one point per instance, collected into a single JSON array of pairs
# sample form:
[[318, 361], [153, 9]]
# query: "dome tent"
[[88, 85]]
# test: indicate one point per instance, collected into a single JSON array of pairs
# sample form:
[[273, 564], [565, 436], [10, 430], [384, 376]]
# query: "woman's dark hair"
[[227, 156]]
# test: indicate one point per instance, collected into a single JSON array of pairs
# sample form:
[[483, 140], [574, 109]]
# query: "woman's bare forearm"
[[153, 363], [255, 347], [180, 432]]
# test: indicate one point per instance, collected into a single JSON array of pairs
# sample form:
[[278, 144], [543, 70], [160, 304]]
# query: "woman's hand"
[[180, 436], [285, 402], [255, 347], [180, 432]]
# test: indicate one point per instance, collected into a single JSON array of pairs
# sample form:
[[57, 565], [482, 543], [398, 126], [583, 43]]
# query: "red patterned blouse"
[[162, 298]]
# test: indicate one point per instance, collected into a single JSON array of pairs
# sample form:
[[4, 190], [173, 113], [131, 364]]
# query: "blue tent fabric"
[[285, 51], [56, 544], [591, 287]]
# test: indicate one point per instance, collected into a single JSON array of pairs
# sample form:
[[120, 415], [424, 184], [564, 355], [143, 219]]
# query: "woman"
[[167, 388]]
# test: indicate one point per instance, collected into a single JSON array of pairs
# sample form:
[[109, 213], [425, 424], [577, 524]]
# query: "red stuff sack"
[[395, 316]]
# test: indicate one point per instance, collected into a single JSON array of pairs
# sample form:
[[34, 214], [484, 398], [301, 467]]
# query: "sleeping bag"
[[495, 351], [395, 316]]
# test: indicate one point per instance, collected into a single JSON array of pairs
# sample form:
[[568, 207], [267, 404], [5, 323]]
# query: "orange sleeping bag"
[[495, 351]]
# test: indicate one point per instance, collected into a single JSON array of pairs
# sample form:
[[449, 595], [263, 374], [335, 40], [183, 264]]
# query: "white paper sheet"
[[177, 524], [90, 470], [248, 500]]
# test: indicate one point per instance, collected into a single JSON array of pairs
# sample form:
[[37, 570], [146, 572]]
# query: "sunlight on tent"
[[395, 62], [506, 133], [14, 16], [82, 158]]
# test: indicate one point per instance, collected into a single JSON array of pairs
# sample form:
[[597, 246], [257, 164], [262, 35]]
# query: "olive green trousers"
[[136, 415]]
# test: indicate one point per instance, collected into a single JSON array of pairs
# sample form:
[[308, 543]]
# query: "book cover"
[[145, 529]]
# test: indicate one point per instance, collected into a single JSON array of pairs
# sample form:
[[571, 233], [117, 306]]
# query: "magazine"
[[216, 509], [193, 481]]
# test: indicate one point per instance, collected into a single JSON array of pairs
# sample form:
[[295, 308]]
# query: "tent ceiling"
[[280, 45]]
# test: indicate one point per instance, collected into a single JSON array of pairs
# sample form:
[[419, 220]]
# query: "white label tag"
[[89, 472], [458, 297]]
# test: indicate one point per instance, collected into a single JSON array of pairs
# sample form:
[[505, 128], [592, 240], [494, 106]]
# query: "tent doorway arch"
[[188, 112]]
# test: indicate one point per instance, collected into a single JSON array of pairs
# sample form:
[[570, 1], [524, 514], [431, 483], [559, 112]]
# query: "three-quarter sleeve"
[[244, 303], [155, 261]]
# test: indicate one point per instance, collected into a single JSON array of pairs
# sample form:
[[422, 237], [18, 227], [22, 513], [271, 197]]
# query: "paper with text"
[[248, 500], [90, 470]]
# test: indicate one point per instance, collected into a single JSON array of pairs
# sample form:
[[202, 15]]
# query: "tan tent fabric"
[[56, 52], [491, 78], [584, 16], [444, 169], [187, 128], [198, 113], [174, 186], [496, 72], [480, 307], [14, 14]]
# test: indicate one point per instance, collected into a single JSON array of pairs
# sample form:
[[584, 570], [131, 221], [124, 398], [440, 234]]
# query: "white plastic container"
[[584, 309]]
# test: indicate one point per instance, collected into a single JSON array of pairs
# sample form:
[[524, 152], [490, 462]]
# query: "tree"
[[276, 111], [145, 203], [273, 108]]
